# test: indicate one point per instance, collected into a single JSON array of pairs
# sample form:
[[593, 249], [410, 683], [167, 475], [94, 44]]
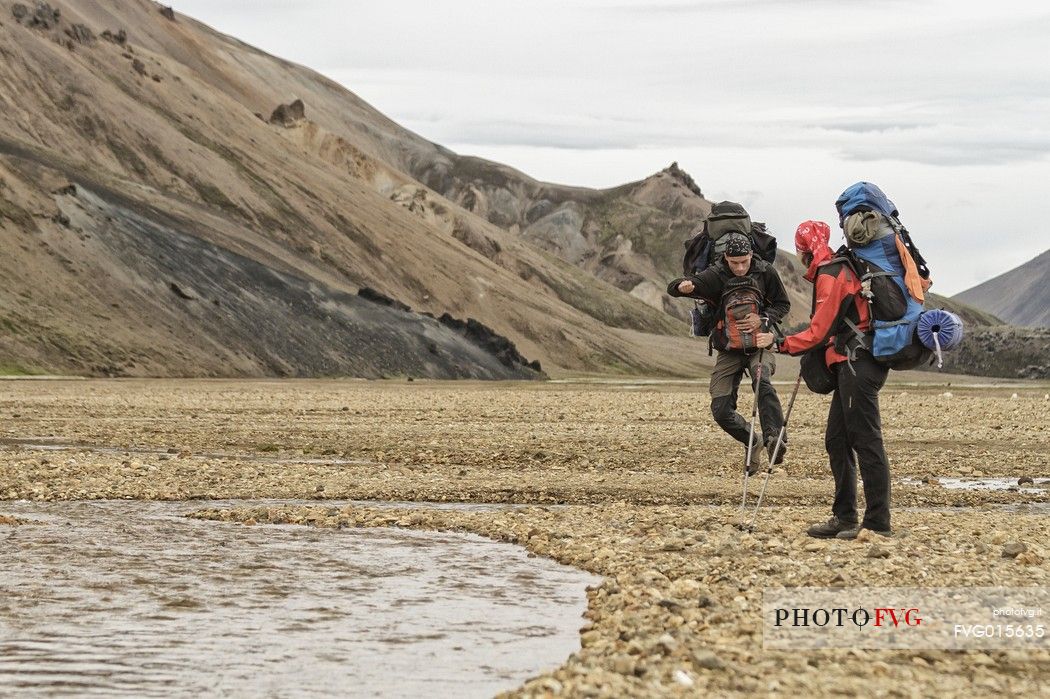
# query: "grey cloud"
[[948, 154], [871, 127], [734, 5], [932, 144], [949, 144], [522, 133]]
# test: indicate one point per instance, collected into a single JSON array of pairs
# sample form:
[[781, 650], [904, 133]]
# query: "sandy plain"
[[627, 479]]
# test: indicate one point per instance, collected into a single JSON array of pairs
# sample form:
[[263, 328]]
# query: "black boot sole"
[[832, 535]]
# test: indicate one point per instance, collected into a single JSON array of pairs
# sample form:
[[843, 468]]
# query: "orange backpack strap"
[[916, 285]]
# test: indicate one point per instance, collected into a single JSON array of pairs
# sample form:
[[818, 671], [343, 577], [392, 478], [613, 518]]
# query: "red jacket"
[[835, 286]]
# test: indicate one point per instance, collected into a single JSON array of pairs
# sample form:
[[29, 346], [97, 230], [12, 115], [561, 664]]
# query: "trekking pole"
[[776, 450], [751, 437]]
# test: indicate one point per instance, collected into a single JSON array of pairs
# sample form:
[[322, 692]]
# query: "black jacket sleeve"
[[777, 302], [708, 286], [672, 287]]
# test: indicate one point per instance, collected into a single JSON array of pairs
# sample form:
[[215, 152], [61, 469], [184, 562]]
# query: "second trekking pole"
[[751, 437], [781, 440]]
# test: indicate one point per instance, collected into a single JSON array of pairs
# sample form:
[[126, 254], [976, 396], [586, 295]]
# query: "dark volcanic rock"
[[272, 322], [178, 291], [43, 15], [1004, 351], [167, 12], [139, 66], [488, 339], [374, 296], [120, 38], [478, 333], [288, 114], [685, 178], [81, 34]]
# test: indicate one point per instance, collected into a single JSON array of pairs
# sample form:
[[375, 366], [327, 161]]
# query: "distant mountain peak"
[[682, 176], [1018, 296]]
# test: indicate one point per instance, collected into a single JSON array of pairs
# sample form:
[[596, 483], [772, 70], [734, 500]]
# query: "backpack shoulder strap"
[[842, 314], [845, 261]]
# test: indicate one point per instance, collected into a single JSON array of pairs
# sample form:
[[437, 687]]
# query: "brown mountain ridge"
[[160, 120], [175, 202]]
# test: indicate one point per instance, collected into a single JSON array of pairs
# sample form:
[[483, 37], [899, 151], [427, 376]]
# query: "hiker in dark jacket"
[[730, 365], [854, 425]]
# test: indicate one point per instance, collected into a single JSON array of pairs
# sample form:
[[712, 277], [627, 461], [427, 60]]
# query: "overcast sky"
[[778, 104]]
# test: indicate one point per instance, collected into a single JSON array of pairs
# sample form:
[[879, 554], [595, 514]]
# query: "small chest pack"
[[740, 298]]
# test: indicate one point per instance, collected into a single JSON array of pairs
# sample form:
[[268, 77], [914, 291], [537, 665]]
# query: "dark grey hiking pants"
[[854, 424], [725, 386]]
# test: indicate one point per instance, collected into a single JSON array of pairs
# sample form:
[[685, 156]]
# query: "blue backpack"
[[904, 335], [865, 196], [895, 342]]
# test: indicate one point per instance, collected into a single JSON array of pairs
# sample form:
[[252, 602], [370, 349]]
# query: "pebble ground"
[[629, 480]]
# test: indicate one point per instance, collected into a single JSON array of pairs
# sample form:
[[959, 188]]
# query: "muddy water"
[[994, 484], [129, 598]]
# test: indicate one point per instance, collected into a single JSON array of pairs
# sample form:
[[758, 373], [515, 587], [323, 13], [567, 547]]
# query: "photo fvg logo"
[[877, 617], [797, 618]]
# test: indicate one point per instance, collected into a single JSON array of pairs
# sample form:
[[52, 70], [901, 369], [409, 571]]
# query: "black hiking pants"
[[854, 426], [725, 387]]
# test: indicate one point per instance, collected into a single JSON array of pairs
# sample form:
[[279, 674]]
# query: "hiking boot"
[[854, 531], [757, 461], [780, 454], [831, 528]]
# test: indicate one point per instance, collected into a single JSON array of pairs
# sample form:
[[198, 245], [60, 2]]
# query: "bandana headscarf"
[[737, 245], [813, 237]]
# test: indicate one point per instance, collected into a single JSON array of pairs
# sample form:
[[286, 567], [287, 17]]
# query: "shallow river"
[[130, 598]]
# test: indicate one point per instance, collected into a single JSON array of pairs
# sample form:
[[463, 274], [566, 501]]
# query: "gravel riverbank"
[[680, 607], [650, 490]]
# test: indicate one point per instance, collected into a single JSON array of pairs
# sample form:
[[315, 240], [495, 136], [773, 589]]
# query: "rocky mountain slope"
[[120, 119], [1020, 296], [175, 202], [1004, 351]]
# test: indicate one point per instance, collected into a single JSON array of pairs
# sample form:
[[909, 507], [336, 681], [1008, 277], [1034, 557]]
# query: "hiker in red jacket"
[[854, 424]]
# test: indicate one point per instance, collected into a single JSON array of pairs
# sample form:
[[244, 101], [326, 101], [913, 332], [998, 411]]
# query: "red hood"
[[821, 255]]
